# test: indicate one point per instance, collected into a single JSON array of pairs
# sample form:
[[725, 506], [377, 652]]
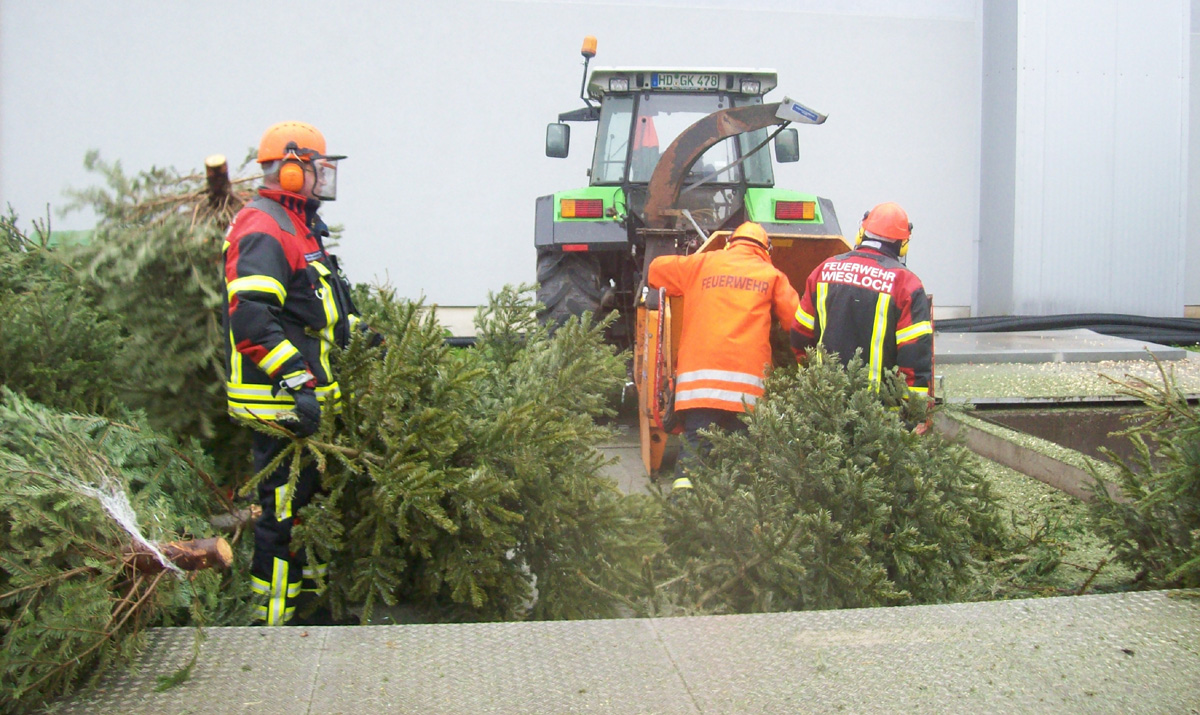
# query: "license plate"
[[690, 81]]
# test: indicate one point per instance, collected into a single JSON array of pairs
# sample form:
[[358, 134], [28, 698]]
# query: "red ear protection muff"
[[291, 176]]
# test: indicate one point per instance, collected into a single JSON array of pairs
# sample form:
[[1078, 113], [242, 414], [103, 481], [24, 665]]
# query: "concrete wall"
[[442, 109], [1099, 158]]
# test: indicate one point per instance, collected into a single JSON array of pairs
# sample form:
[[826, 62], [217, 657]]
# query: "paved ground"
[[1093, 654]]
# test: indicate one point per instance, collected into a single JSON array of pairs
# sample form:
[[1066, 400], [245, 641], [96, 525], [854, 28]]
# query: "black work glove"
[[374, 338], [305, 418]]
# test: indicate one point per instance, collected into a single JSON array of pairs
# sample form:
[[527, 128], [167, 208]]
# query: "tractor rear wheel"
[[568, 284]]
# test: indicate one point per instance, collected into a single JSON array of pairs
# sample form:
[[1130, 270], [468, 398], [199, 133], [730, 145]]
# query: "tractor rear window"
[[638, 139], [661, 117]]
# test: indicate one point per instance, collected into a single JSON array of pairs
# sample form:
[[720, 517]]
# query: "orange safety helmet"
[[887, 221], [298, 143], [295, 138], [754, 232]]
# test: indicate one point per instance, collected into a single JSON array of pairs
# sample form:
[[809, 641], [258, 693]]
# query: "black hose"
[[1162, 331]]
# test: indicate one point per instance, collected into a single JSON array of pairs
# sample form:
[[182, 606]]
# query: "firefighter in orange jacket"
[[868, 300], [725, 348]]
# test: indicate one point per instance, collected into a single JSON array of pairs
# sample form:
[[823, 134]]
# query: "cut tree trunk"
[[217, 174], [187, 555]]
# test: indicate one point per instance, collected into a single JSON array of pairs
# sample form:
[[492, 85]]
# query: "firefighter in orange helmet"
[[287, 304], [867, 300], [725, 348]]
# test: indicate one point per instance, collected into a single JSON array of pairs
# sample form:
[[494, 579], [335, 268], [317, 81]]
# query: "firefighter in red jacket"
[[868, 300], [287, 305], [725, 348]]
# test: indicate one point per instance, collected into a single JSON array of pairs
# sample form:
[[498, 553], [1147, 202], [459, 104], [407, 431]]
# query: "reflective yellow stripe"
[[914, 331], [255, 402], [257, 284], [278, 604], [315, 569], [256, 392], [257, 412], [262, 613], [293, 589], [225, 246], [822, 297], [283, 503], [354, 320], [331, 316], [920, 390], [257, 585], [804, 318], [235, 361], [251, 391], [321, 269], [275, 359], [878, 332]]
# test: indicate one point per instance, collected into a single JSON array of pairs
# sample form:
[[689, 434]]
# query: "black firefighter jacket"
[[287, 305], [867, 300]]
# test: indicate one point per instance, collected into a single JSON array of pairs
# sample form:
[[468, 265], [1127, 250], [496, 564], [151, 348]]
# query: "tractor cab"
[[640, 111]]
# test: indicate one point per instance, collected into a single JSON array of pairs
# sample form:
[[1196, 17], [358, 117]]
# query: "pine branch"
[[52, 579], [107, 635]]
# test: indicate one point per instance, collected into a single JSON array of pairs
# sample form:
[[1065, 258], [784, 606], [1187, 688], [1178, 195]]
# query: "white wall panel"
[[997, 158], [1192, 271], [1100, 154]]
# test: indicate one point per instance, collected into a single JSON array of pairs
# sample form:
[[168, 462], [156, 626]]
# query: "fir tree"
[[70, 606], [1151, 518], [828, 500], [155, 263], [56, 345], [466, 482]]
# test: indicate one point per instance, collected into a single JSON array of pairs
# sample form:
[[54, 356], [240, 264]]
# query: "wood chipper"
[[678, 163]]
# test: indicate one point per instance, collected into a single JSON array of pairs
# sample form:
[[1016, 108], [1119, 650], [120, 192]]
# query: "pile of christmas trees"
[[464, 483]]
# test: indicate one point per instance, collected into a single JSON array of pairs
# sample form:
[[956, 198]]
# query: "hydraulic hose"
[[1161, 331]]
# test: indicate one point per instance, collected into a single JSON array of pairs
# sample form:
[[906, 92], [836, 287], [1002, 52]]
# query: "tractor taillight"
[[795, 210], [581, 208]]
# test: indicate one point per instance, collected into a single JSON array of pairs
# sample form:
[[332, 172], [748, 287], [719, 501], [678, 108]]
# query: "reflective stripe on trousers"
[[280, 593]]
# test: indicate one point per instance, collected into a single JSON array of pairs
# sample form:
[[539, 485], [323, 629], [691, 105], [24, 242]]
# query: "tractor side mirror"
[[558, 140], [787, 146]]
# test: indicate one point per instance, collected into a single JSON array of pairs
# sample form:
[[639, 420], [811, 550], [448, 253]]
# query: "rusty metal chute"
[[674, 164]]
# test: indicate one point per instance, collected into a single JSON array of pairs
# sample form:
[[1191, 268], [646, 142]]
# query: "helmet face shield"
[[325, 175]]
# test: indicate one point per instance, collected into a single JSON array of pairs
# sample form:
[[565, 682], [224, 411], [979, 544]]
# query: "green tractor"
[[678, 159]]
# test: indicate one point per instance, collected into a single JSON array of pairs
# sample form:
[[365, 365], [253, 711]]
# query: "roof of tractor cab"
[[680, 79]]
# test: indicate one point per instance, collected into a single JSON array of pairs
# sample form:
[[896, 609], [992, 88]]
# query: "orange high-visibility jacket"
[[726, 344]]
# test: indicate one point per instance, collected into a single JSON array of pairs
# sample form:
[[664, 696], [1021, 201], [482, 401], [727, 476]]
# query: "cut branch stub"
[[187, 555]]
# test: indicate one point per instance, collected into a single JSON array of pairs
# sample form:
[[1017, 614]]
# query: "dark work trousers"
[[693, 447], [275, 572]]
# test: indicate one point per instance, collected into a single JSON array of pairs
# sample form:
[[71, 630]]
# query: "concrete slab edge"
[[1065, 477]]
